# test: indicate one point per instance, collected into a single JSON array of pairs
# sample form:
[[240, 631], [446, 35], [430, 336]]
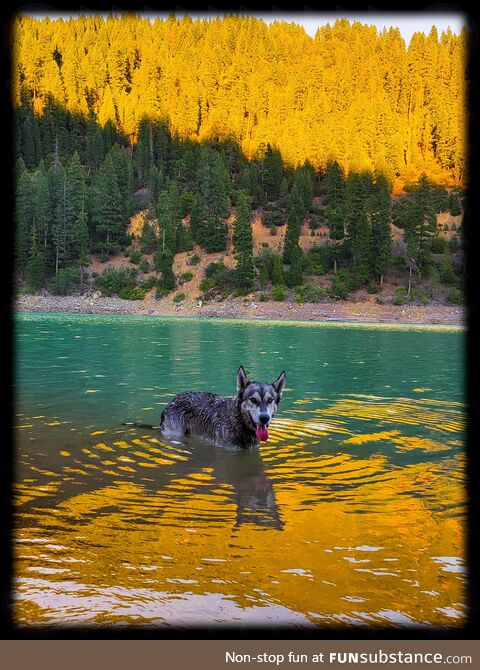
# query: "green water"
[[351, 514]]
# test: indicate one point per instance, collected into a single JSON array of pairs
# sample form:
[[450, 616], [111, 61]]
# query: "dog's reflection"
[[244, 471]]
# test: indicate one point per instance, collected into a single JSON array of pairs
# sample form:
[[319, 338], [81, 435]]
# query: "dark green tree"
[[243, 244]]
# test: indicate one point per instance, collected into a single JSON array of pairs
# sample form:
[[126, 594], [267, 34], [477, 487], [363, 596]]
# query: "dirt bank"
[[362, 311]]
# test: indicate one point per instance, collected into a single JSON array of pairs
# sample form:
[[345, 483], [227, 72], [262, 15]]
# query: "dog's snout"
[[264, 418]]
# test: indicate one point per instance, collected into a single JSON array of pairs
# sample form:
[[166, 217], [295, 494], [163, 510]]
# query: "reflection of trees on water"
[[172, 485]]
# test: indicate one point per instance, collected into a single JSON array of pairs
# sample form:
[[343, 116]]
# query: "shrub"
[[339, 288], [274, 218], [419, 296], [134, 293], [35, 271], [438, 245], [264, 297], [373, 287], [179, 297], [454, 244], [193, 260], [185, 277], [455, 297], [112, 282], [135, 256], [144, 265], [149, 283], [278, 292], [309, 293], [401, 296], [161, 292], [66, 281], [273, 230]]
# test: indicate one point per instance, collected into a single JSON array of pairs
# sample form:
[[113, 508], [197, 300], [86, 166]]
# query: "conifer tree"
[[380, 209], [23, 220], [243, 244], [109, 214]]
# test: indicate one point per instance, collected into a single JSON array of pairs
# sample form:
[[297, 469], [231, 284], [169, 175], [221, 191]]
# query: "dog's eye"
[[254, 401], [269, 401]]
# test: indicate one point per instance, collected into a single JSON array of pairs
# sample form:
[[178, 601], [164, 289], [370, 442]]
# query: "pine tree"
[[380, 209], [294, 222], [294, 276], [42, 207], [243, 244], [109, 215], [272, 172], [23, 221]]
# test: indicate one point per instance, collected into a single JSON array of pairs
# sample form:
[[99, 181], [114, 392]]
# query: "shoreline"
[[365, 311]]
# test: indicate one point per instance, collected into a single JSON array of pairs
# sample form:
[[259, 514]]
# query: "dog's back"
[[197, 413]]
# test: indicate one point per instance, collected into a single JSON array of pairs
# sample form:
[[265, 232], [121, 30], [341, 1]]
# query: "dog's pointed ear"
[[279, 385], [242, 380]]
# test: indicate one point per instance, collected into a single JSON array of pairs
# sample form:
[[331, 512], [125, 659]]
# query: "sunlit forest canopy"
[[350, 94]]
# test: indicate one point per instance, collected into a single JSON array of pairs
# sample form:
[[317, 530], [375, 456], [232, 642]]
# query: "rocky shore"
[[361, 311]]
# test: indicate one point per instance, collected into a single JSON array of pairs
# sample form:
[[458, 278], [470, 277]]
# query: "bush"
[[373, 287], [66, 281], [309, 293], [454, 244], [264, 297], [135, 256], [401, 296], [193, 260], [135, 293], [419, 296], [112, 282], [278, 292], [161, 292], [144, 265], [339, 288], [179, 297], [438, 245], [149, 283], [274, 218], [185, 277], [455, 297]]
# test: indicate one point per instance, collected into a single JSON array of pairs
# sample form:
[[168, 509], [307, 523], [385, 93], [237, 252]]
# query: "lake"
[[352, 514]]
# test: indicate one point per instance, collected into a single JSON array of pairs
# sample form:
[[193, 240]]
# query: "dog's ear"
[[279, 385], [242, 380]]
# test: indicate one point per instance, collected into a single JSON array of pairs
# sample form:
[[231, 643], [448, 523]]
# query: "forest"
[[190, 122]]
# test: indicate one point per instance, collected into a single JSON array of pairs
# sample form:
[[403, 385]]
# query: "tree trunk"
[[334, 266], [381, 281], [81, 280], [409, 280]]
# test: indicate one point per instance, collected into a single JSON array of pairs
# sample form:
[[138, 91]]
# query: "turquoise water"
[[352, 513]]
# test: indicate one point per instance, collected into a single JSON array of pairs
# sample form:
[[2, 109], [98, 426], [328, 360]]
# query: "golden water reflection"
[[349, 515]]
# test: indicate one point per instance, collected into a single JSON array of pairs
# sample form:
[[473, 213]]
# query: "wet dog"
[[240, 420]]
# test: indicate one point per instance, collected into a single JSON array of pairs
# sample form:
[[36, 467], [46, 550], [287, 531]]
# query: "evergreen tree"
[[23, 221], [109, 214], [335, 205], [243, 244], [380, 209], [272, 173], [294, 222], [294, 276], [359, 187], [277, 271], [42, 207]]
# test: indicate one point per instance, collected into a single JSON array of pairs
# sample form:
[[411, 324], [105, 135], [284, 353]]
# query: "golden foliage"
[[350, 93]]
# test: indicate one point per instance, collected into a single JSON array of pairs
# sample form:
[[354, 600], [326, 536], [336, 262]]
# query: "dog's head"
[[258, 401]]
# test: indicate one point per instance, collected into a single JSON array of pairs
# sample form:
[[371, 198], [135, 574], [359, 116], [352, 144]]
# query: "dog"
[[240, 420]]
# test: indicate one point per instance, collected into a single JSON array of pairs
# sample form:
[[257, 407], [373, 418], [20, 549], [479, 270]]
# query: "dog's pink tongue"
[[262, 433]]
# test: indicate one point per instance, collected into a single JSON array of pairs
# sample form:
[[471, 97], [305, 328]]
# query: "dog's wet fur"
[[224, 420]]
